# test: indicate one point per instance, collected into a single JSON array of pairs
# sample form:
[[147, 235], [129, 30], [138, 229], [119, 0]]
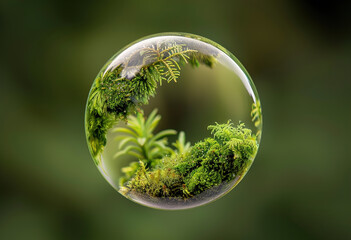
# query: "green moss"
[[160, 182], [118, 93], [160, 170], [206, 164]]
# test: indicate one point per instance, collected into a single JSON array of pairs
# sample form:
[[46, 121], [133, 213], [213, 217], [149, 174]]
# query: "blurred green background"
[[298, 54]]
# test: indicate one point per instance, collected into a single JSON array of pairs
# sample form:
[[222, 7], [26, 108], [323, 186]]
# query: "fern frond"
[[169, 70], [181, 53], [168, 56], [171, 47]]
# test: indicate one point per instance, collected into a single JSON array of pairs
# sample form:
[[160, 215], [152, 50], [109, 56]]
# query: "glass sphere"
[[210, 129]]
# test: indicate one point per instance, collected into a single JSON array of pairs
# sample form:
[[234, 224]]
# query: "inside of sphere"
[[196, 88]]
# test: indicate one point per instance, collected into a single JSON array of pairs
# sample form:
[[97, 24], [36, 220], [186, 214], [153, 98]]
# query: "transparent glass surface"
[[173, 121]]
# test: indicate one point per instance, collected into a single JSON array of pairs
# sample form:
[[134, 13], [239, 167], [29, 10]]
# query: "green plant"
[[189, 171], [181, 145], [219, 159], [120, 91], [128, 172], [140, 141], [256, 114], [159, 182]]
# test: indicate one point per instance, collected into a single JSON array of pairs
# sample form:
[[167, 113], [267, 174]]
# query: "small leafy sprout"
[[139, 140], [181, 145]]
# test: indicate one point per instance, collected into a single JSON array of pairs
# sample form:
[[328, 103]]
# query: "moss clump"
[[208, 163], [218, 159], [113, 98], [159, 182]]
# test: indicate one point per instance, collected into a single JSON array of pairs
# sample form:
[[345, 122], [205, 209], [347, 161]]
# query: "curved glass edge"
[[192, 36]]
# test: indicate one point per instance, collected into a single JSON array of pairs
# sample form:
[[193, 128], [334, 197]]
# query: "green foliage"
[[139, 141], [160, 182], [181, 145], [256, 114], [219, 159], [128, 172], [207, 164], [98, 121], [111, 99], [119, 92], [165, 58], [197, 58]]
